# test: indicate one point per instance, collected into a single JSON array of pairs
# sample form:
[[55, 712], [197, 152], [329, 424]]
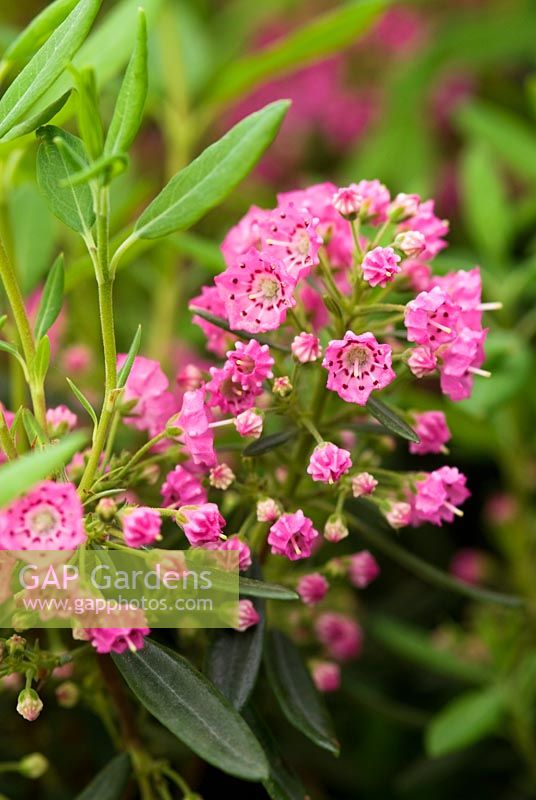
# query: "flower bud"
[[347, 201], [403, 207], [250, 423], [268, 510], [15, 644], [221, 476], [33, 766], [399, 515], [326, 675], [29, 704], [106, 508], [306, 347], [335, 529], [362, 484], [67, 694], [247, 615], [282, 386], [410, 243]]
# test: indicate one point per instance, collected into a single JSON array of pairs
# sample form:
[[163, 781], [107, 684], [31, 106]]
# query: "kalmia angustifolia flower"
[[182, 488], [380, 266], [432, 430], [141, 526], [292, 536], [363, 569], [312, 588], [202, 523], [362, 484], [306, 347], [48, 517], [326, 675], [357, 365], [328, 463], [248, 616]]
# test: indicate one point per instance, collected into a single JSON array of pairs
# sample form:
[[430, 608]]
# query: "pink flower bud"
[[249, 423], [141, 526], [67, 694], [341, 636], [399, 515], [326, 675], [60, 420], [347, 201], [363, 484], [247, 615], [422, 362], [77, 359], [268, 510], [328, 463], [29, 704], [312, 588], [403, 207], [380, 266], [203, 523], [335, 529], [282, 386], [411, 243], [106, 508], [306, 347], [221, 476], [363, 569]]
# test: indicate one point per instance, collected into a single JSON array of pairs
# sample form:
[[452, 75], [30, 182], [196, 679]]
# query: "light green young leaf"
[[33, 234], [186, 703], [59, 156], [89, 120], [34, 431], [124, 372], [327, 34], [128, 110], [296, 692], [12, 351], [212, 176], [37, 118], [20, 475], [110, 782], [41, 361], [46, 65], [52, 299], [84, 402], [37, 32], [468, 719]]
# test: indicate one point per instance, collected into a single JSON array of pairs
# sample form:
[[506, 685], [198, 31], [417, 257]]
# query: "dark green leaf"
[[128, 110], [212, 176], [390, 419], [283, 783], [267, 443], [296, 693], [108, 167], [37, 31], [252, 588], [234, 659], [224, 325], [468, 719], [51, 300], [110, 782], [124, 372], [84, 402], [20, 475], [46, 65], [60, 156], [186, 703]]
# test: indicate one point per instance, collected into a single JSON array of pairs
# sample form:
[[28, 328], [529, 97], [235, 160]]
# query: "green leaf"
[[84, 402], [41, 360], [89, 121], [60, 156], [234, 659], [212, 176], [249, 587], [487, 209], [51, 300], [46, 65], [124, 372], [128, 112], [268, 443], [329, 33], [110, 782], [34, 431], [35, 119], [390, 419], [282, 783], [107, 166], [468, 719], [13, 351], [33, 234], [37, 32], [296, 693], [224, 325], [20, 475], [186, 703]]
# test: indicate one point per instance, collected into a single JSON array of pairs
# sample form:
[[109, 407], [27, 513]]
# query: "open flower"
[[357, 365], [292, 536], [48, 517]]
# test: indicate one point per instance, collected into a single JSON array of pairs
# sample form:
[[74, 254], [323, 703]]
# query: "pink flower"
[[221, 476], [182, 488], [398, 515], [248, 616], [422, 362], [418, 274], [465, 290], [380, 266], [289, 236], [203, 523], [257, 293], [357, 365], [335, 529], [469, 565], [403, 207], [210, 300], [410, 243], [60, 420], [189, 378], [341, 636], [249, 423], [439, 495], [432, 228], [116, 640], [141, 526], [48, 517], [347, 201], [147, 389], [432, 318], [236, 545], [375, 200], [306, 347], [460, 361], [267, 510], [312, 588], [432, 430], [77, 359], [363, 569], [194, 420], [250, 364], [244, 235], [29, 705], [363, 484], [326, 676], [328, 463], [292, 536], [229, 395]]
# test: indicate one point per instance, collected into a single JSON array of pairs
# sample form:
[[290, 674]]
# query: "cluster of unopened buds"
[[327, 301]]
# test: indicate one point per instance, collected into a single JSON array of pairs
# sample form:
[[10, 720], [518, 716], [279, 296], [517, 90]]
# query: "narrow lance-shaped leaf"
[[20, 475], [124, 372], [186, 703], [46, 65], [41, 361], [34, 120], [249, 587], [34, 431], [110, 782], [296, 693], [128, 110], [469, 718], [390, 419], [89, 120], [268, 443], [37, 32], [84, 402], [105, 167], [60, 155], [51, 300], [9, 348], [212, 176]]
